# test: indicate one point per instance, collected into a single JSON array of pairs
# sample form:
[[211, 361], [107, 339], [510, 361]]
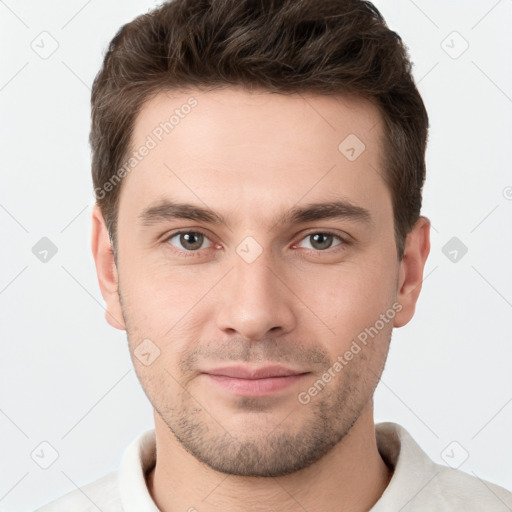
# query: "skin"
[[252, 156]]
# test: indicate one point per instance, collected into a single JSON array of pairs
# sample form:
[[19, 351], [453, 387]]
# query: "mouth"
[[262, 381]]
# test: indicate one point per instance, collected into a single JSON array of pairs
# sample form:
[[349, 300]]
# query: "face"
[[255, 251]]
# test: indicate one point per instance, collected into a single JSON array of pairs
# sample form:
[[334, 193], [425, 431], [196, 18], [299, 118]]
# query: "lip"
[[262, 381], [246, 372]]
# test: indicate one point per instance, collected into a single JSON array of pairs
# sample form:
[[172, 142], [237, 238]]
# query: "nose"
[[255, 300]]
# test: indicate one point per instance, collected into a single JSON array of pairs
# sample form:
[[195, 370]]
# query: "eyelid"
[[342, 235]]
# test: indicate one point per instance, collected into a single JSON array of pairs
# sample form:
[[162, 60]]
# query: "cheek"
[[166, 306], [161, 383], [160, 291], [347, 297]]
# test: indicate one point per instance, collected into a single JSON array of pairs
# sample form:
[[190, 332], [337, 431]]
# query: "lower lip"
[[255, 387]]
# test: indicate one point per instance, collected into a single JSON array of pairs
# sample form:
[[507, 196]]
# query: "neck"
[[350, 478]]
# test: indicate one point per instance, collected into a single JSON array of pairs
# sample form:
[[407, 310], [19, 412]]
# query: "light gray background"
[[65, 375]]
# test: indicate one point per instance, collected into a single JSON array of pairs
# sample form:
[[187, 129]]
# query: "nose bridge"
[[255, 301], [253, 278]]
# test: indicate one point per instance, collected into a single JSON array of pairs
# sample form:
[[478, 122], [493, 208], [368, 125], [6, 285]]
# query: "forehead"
[[255, 150]]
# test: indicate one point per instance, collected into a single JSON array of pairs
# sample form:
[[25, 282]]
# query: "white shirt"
[[418, 484]]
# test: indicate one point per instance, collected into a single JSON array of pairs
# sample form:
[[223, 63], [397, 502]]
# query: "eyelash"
[[344, 242]]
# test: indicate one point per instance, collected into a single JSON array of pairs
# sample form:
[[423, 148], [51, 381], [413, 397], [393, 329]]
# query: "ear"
[[106, 269], [417, 248]]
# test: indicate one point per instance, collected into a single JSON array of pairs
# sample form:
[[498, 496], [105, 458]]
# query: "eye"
[[188, 240], [321, 241], [194, 241]]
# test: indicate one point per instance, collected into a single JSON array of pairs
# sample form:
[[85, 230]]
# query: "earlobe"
[[106, 269], [410, 277]]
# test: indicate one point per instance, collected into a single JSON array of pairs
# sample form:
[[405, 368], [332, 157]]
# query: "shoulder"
[[455, 490], [419, 484], [102, 494]]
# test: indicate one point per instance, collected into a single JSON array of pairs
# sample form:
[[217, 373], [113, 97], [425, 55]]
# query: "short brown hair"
[[328, 47]]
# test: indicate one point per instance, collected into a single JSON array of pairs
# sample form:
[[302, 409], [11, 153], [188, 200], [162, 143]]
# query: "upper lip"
[[245, 372]]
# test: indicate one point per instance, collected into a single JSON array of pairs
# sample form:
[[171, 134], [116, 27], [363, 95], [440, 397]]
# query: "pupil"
[[323, 240], [187, 238]]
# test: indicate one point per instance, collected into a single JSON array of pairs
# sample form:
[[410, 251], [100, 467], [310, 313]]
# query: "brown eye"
[[321, 241], [188, 240]]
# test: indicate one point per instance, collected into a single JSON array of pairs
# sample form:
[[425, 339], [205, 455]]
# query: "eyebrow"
[[170, 210]]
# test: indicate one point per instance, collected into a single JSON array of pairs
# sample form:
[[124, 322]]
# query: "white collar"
[[413, 469]]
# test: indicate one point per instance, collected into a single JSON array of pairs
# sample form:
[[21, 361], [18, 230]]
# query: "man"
[[258, 169]]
